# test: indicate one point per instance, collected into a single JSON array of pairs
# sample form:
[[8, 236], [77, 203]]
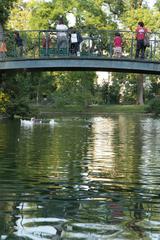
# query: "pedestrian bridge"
[[81, 64], [95, 53]]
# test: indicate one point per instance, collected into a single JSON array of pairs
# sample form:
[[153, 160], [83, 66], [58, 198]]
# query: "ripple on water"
[[39, 228], [54, 228]]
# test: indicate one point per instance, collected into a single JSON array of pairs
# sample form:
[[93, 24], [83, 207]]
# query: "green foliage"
[[44, 15], [116, 7], [5, 7], [18, 107], [111, 92], [157, 5], [74, 88], [4, 101], [133, 16], [19, 17], [152, 88], [154, 106]]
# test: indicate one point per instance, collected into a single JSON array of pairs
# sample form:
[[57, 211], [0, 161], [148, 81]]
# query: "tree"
[[5, 8], [45, 14], [74, 88], [157, 5], [19, 16], [116, 8], [4, 101]]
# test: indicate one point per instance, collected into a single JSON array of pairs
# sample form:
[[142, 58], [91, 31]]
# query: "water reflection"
[[39, 228], [100, 151], [86, 178]]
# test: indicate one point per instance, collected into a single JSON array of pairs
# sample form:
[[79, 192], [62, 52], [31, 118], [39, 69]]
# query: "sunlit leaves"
[[19, 17], [4, 100], [132, 17]]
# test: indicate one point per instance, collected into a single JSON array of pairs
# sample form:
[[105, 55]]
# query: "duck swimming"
[[33, 121]]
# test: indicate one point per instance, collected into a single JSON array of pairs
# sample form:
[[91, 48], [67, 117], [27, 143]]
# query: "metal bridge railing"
[[96, 43]]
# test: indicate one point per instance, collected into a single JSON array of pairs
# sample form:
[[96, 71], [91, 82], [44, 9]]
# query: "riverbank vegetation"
[[61, 90], [42, 111]]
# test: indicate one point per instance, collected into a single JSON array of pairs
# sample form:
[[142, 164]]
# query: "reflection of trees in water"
[[45, 171], [138, 210], [127, 147], [9, 132], [135, 160], [9, 216], [123, 173], [100, 152], [150, 172], [80, 171]]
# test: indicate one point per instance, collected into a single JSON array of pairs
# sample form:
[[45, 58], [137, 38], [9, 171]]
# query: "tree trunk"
[[140, 89]]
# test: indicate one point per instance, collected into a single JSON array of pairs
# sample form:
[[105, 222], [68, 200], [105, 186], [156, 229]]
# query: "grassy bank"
[[50, 110]]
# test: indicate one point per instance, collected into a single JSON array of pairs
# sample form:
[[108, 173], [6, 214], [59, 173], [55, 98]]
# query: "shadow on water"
[[84, 178]]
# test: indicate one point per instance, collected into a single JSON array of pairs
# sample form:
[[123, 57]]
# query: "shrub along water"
[[153, 106]]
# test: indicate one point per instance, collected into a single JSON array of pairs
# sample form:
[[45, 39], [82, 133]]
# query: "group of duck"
[[33, 121]]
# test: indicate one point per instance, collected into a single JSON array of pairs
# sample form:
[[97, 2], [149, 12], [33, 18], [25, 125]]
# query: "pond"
[[90, 178]]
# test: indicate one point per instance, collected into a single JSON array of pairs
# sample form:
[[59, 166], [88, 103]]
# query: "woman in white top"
[[62, 39]]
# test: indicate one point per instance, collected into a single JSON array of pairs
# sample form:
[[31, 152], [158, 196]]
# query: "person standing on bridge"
[[46, 42], [117, 45], [140, 35], [62, 39], [19, 44], [75, 39], [3, 49]]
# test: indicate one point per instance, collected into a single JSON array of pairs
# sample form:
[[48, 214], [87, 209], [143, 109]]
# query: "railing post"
[[47, 39], [39, 47], [132, 45], [155, 47], [151, 52], [67, 34], [110, 47]]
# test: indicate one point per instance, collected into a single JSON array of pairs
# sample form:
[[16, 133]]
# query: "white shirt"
[[74, 38], [61, 27]]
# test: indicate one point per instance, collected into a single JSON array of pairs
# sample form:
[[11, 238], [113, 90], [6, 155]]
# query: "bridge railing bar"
[[132, 45], [97, 43]]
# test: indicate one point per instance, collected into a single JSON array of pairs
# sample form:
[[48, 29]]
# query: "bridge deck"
[[81, 64]]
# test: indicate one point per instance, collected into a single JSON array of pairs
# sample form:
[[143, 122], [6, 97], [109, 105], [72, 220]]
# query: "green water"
[[83, 178]]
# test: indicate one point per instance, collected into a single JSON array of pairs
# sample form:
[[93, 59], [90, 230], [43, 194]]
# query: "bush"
[[153, 106], [18, 107]]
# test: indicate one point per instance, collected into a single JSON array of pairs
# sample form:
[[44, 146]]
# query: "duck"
[[31, 121], [25, 122], [34, 120], [51, 122]]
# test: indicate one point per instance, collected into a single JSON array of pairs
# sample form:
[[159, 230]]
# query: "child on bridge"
[[117, 45]]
